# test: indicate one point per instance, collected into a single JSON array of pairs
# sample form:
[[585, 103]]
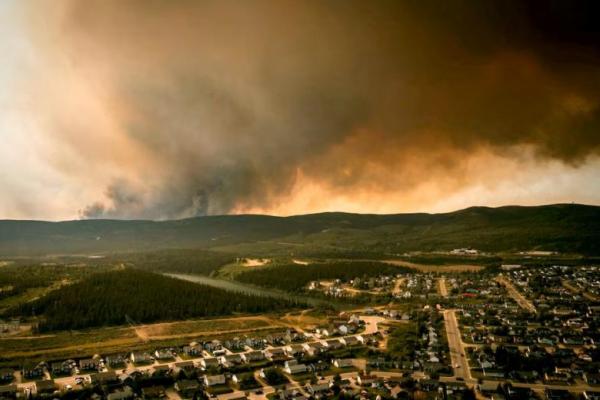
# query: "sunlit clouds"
[[154, 109]]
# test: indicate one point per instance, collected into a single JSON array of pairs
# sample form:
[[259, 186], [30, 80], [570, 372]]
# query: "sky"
[[161, 109]]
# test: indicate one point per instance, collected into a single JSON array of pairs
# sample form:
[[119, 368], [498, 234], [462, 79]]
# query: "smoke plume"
[[183, 108]]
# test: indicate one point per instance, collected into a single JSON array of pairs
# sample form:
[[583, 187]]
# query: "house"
[[213, 380], [210, 362], [7, 375], [352, 341], [276, 340], [104, 378], [557, 394], [318, 389], [122, 394], [33, 372], [334, 344], [163, 354], [254, 356], [8, 392], [61, 368], [290, 393], [187, 387], [193, 350], [315, 348], [366, 380], [89, 364], [525, 376], [45, 386], [342, 363], [116, 361], [213, 346], [294, 350], [257, 344], [230, 360], [234, 345], [160, 371], [294, 368], [276, 353], [324, 332], [153, 392], [516, 393], [557, 377], [141, 358], [187, 367], [489, 387]]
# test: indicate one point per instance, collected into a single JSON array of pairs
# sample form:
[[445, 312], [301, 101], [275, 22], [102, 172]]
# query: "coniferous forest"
[[295, 277], [121, 296]]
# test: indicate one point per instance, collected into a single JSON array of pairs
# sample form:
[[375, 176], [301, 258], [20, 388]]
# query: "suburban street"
[[515, 294], [460, 364], [371, 326], [442, 287]]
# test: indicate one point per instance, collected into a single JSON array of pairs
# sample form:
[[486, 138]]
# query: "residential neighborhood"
[[516, 333]]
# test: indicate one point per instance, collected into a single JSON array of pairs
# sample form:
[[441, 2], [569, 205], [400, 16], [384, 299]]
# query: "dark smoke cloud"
[[233, 100]]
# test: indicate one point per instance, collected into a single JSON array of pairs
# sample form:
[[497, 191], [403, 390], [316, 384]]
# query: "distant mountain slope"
[[562, 227]]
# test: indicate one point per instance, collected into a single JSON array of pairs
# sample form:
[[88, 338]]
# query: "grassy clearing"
[[230, 271], [71, 343], [206, 326], [63, 345], [437, 268]]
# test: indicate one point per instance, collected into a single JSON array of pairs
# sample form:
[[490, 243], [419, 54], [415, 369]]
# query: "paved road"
[[397, 287], [515, 294], [460, 365], [568, 285], [442, 287]]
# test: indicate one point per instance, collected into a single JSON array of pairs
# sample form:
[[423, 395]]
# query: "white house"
[[342, 363], [214, 380]]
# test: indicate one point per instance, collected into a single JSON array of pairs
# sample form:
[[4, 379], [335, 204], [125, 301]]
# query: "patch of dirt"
[[255, 262]]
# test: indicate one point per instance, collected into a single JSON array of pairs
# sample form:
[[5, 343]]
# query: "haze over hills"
[[571, 228]]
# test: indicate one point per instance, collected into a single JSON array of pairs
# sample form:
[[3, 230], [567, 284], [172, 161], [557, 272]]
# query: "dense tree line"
[[294, 277], [17, 279], [14, 284], [190, 261], [107, 298]]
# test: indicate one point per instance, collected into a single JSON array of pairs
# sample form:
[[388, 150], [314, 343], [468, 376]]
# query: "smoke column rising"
[[168, 109]]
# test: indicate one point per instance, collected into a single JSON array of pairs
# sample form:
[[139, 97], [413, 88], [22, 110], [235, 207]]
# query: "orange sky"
[[153, 109]]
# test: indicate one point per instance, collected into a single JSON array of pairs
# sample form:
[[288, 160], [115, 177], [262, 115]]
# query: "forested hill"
[[108, 298], [564, 227]]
